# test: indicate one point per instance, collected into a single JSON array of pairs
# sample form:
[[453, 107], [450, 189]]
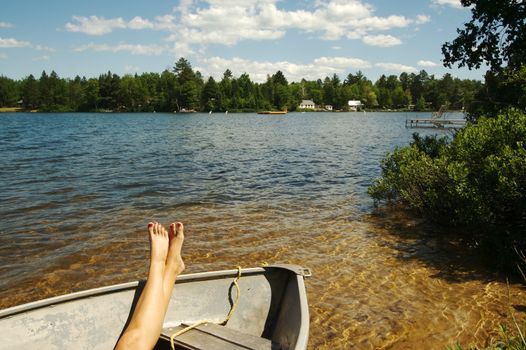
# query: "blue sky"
[[303, 38]]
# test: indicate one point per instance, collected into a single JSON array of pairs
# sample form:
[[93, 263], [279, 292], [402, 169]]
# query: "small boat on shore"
[[184, 110], [271, 313], [273, 112]]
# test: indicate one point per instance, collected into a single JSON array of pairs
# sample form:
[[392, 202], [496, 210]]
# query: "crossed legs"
[[165, 265]]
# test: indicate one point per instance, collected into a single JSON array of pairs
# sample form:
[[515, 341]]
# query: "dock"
[[434, 123], [272, 112], [438, 120]]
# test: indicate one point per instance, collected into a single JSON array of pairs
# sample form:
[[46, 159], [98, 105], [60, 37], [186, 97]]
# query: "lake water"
[[77, 190]]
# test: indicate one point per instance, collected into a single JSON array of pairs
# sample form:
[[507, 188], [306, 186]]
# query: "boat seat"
[[211, 336]]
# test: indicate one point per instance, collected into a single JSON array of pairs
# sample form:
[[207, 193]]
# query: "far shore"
[[15, 109], [23, 110]]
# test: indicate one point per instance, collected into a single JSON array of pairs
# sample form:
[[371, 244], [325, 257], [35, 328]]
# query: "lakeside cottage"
[[354, 105], [307, 104], [328, 107]]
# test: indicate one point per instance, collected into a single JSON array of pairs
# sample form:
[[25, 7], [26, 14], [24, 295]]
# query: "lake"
[[77, 190]]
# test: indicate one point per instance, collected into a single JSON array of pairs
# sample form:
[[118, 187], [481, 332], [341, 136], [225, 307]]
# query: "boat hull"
[[273, 112], [273, 305]]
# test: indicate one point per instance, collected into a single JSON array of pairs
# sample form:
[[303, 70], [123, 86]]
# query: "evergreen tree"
[[75, 95], [211, 96], [187, 90], [30, 92], [8, 92], [92, 93]]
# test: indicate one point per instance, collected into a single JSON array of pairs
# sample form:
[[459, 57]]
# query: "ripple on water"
[[249, 190]]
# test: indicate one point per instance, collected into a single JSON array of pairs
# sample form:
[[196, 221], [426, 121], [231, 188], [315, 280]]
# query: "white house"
[[328, 107], [307, 104], [354, 104]]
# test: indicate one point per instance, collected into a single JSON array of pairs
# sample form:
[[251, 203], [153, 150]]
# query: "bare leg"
[[147, 319], [174, 261]]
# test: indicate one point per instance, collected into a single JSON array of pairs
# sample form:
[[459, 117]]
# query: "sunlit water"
[[77, 190]]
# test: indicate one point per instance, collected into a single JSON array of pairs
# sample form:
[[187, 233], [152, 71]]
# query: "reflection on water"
[[78, 190]]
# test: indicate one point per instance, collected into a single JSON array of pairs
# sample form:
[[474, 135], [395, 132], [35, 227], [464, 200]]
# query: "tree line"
[[185, 88]]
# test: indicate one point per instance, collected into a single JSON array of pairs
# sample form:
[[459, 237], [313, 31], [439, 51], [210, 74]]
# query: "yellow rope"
[[202, 322]]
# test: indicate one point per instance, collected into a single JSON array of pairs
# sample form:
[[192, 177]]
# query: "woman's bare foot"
[[174, 261], [159, 242]]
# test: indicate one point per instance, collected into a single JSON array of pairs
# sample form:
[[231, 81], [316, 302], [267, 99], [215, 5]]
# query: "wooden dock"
[[434, 123], [438, 120]]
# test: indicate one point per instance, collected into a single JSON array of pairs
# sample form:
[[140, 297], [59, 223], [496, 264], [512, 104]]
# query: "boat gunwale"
[[49, 302], [303, 333]]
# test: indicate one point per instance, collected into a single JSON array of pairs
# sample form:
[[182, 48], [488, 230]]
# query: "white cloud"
[[452, 3], [15, 43], [44, 48], [11, 42], [423, 63], [422, 19], [166, 22], [134, 49], [196, 24], [94, 25], [139, 23], [41, 58], [381, 40], [182, 49], [379, 23], [396, 67], [228, 22], [258, 70], [231, 21], [341, 62], [5, 25]]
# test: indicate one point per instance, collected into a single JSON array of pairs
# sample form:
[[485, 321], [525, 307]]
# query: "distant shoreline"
[[16, 110], [22, 110]]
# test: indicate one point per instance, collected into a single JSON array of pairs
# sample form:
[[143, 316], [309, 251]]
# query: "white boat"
[[272, 313]]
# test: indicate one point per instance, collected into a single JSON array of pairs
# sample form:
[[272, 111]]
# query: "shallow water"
[[76, 192]]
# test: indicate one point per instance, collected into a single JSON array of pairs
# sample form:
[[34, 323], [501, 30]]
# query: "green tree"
[[75, 94], [225, 87], [45, 92], [109, 91], [91, 91], [496, 35], [210, 98], [168, 91], [279, 78], [8, 92], [399, 97], [384, 93], [133, 95], [420, 104], [30, 92], [187, 93], [150, 84], [278, 91]]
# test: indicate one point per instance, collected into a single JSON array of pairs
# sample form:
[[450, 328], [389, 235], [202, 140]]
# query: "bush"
[[478, 180]]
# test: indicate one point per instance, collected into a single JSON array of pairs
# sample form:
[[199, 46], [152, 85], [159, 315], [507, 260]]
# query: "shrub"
[[478, 180]]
